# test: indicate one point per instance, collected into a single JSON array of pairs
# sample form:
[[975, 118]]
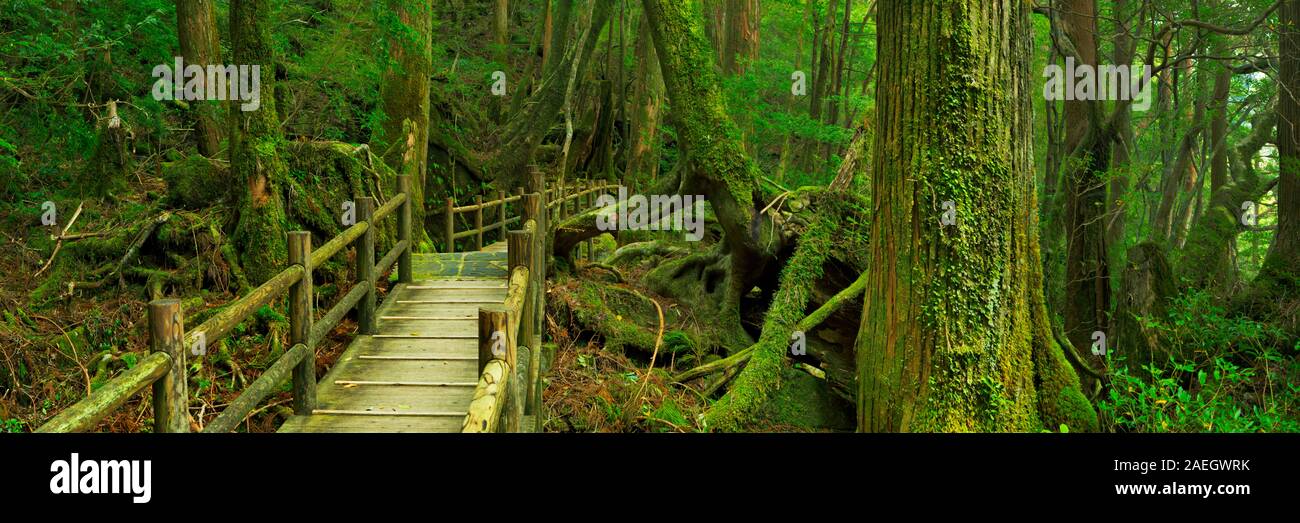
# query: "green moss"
[[1060, 401], [623, 318], [669, 412], [806, 402], [762, 374]]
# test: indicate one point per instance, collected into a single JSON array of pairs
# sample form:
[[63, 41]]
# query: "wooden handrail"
[[84, 414], [498, 403], [170, 342], [450, 210]]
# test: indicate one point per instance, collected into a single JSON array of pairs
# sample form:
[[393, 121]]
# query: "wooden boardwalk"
[[418, 371], [449, 350]]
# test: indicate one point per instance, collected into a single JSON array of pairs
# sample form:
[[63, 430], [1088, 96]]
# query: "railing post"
[[520, 252], [501, 195], [404, 230], [366, 267], [478, 221], [167, 334], [450, 230], [492, 320], [300, 319]]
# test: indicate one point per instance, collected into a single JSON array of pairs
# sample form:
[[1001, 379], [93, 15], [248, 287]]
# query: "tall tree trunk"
[[1281, 267], [1179, 174], [405, 92], [742, 36], [255, 142], [1125, 47], [647, 97], [525, 130], [196, 28], [1087, 266], [1219, 116], [954, 333], [719, 168], [838, 80]]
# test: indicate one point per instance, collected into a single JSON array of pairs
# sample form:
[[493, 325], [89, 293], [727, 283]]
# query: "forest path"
[[417, 373]]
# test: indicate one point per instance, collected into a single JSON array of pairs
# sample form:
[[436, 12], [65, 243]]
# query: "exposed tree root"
[[762, 374]]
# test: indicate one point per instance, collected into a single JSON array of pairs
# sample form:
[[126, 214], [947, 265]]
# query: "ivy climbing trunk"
[[255, 142], [954, 333]]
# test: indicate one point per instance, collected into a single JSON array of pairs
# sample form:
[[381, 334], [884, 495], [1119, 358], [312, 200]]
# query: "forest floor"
[[57, 347]]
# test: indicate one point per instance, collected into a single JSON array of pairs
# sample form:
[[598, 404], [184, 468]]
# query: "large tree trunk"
[[405, 93], [196, 28], [643, 160], [1124, 48], [741, 45], [954, 334], [255, 142], [719, 169], [525, 130], [1281, 266], [1087, 266]]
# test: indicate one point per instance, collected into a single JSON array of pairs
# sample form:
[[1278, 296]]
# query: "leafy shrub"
[[1239, 376]]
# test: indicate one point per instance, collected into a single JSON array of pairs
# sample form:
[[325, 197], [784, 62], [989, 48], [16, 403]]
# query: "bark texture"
[[954, 334]]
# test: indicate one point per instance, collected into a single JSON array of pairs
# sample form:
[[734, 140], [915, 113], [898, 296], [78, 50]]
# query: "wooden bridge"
[[452, 348]]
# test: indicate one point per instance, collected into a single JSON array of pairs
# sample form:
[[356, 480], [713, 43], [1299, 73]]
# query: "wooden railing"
[[164, 368], [564, 201], [509, 347]]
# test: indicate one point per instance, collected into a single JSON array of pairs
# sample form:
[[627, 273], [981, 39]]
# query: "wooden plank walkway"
[[418, 371]]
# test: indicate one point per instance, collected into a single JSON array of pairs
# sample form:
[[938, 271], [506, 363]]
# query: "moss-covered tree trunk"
[[196, 28], [408, 33], [1282, 264], [255, 142], [954, 334], [1124, 48], [1208, 260], [525, 130], [720, 170]]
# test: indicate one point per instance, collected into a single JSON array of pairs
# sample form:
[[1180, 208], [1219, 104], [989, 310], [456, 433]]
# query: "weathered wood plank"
[[386, 424], [443, 328], [300, 318], [408, 347], [170, 395], [400, 399], [407, 370], [489, 397]]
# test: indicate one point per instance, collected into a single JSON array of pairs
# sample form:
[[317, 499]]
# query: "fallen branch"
[[59, 244]]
